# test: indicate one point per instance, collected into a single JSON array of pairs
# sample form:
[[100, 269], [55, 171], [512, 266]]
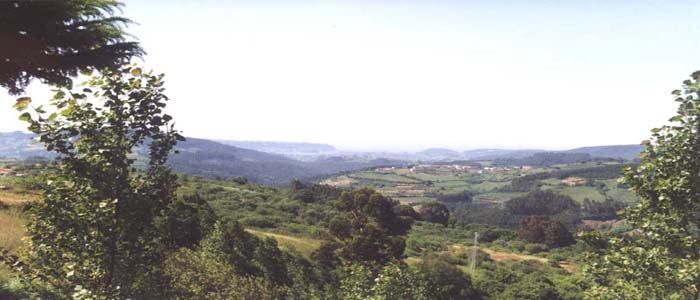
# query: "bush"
[[240, 180], [531, 287], [435, 212], [542, 203], [465, 196], [535, 248], [259, 222], [517, 245], [539, 229], [495, 233]]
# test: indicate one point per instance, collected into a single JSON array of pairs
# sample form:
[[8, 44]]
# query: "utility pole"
[[476, 245]]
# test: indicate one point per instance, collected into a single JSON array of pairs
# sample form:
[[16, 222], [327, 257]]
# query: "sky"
[[409, 75]]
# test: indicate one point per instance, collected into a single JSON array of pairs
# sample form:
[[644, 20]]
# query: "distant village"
[[4, 172], [8, 172], [454, 167]]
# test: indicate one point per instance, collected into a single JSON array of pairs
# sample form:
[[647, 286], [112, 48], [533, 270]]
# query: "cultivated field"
[[421, 183]]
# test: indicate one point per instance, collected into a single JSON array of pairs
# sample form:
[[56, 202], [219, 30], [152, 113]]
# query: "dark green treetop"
[[368, 231], [55, 40]]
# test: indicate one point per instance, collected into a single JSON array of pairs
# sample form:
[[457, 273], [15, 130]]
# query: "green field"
[[426, 182]]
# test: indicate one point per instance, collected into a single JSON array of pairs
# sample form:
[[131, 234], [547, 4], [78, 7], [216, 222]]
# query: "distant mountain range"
[[20, 145], [627, 152], [280, 162], [284, 148], [214, 159]]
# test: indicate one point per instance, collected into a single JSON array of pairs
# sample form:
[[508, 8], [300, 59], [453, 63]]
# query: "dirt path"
[[500, 256], [509, 256]]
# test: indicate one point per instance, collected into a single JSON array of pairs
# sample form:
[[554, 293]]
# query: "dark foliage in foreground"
[[54, 40]]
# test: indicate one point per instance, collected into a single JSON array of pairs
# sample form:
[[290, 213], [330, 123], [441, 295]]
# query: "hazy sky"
[[405, 75]]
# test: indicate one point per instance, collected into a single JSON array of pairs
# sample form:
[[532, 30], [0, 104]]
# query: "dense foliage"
[[431, 279], [368, 231], [435, 212], [662, 259], [464, 196], [94, 233], [54, 40], [544, 230], [542, 203]]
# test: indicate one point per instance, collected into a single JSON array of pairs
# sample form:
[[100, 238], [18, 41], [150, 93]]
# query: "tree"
[[207, 273], [464, 196], [531, 287], [431, 279], [557, 235], [54, 40], [231, 263], [368, 231], [93, 235], [445, 281], [544, 230], [435, 212], [185, 222], [662, 259], [247, 254], [542, 203]]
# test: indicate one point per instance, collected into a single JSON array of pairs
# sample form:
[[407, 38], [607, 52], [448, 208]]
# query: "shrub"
[[465, 196], [535, 248], [517, 245], [541, 203], [539, 229], [435, 212]]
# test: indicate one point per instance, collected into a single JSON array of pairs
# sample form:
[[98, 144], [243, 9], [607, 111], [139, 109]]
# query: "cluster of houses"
[[7, 172], [506, 169], [461, 168], [466, 168], [453, 167]]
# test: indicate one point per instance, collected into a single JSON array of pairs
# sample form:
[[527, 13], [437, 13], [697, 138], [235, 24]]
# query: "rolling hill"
[[628, 152], [283, 148], [20, 145], [211, 159], [215, 159], [440, 153]]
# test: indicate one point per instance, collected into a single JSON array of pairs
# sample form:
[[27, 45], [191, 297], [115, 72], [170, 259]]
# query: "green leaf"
[[22, 103], [136, 71], [676, 119], [59, 95], [67, 111], [26, 117]]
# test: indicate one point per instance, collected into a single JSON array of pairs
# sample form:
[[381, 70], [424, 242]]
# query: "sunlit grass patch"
[[11, 228], [11, 232], [14, 198], [304, 245]]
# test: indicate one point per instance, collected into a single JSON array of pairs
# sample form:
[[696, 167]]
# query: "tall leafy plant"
[[94, 235], [660, 259]]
